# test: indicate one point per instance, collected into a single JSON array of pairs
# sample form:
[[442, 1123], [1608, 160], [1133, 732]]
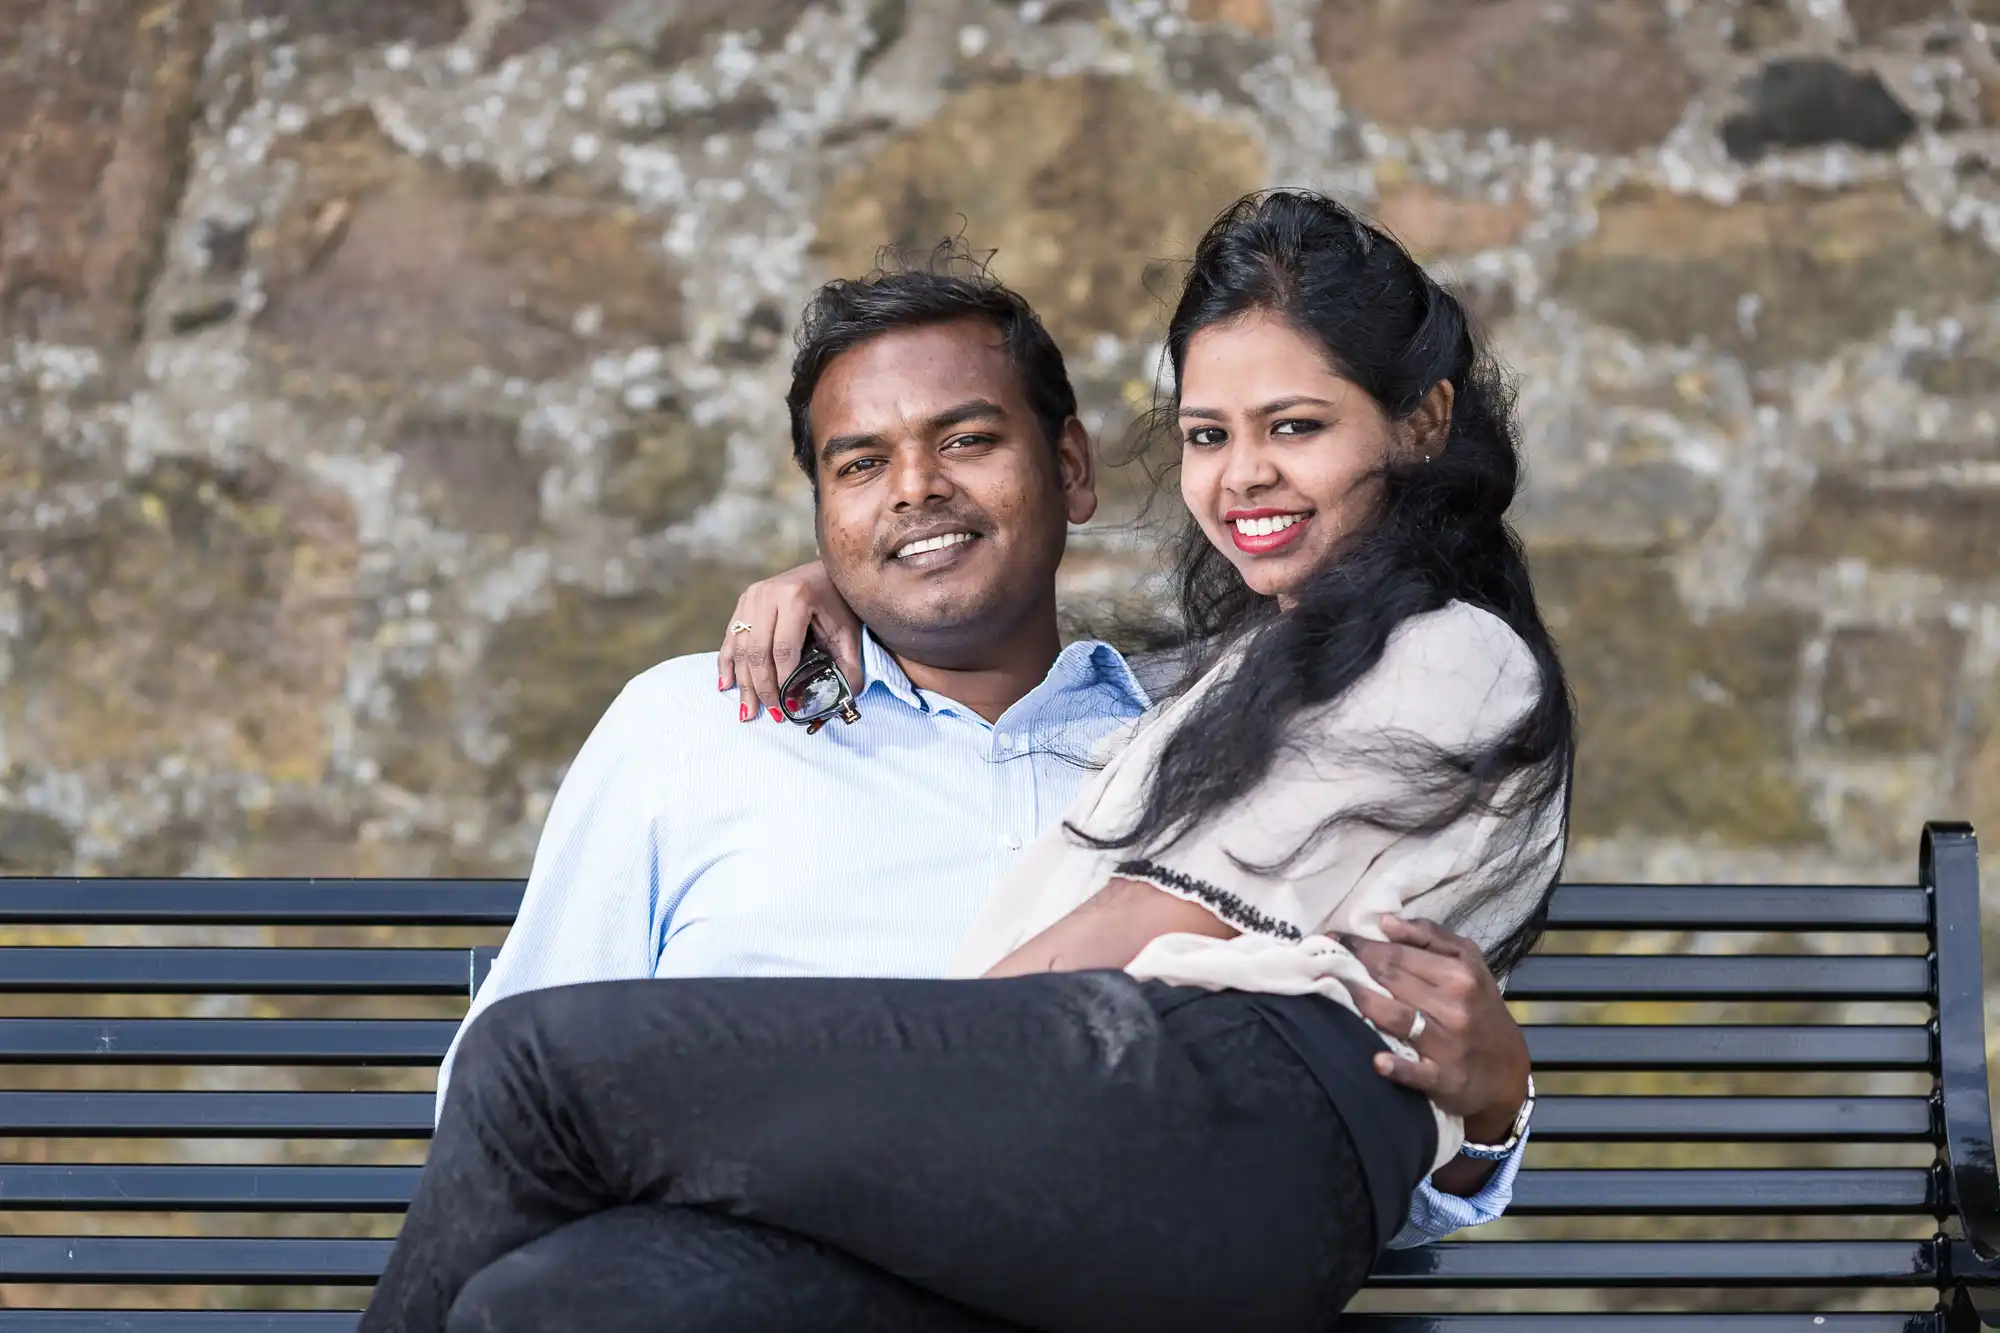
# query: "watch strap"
[[1500, 1152]]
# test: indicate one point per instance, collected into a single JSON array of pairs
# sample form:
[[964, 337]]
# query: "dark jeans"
[[668, 1268], [1072, 1152]]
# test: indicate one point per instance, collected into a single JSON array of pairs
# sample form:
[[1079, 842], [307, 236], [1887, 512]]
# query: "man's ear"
[[1429, 427], [1076, 466]]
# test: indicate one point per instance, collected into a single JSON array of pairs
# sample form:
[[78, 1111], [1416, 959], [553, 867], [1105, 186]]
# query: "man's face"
[[942, 508]]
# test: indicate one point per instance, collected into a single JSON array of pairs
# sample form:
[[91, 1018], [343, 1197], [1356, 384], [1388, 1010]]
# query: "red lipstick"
[[1266, 543]]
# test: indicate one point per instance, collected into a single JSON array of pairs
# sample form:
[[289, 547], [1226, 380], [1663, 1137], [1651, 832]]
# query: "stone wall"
[[384, 382]]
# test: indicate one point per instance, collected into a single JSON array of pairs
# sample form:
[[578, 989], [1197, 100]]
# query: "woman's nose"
[[1248, 469]]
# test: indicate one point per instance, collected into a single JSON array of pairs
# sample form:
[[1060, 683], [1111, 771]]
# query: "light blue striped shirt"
[[684, 843]]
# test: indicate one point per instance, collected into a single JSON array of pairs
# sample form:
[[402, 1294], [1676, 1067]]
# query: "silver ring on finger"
[[740, 627], [1417, 1026]]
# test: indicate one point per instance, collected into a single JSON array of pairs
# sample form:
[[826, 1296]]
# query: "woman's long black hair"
[[1441, 536]]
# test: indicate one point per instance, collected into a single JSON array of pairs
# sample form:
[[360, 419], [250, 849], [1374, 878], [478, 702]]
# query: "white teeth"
[[934, 544], [1264, 527]]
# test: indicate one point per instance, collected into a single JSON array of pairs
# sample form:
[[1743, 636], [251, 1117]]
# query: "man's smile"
[[935, 549]]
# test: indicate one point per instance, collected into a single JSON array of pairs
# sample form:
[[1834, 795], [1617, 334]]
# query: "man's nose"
[[918, 479]]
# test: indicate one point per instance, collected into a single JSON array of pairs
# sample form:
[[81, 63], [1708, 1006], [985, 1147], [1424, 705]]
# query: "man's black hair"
[[905, 292]]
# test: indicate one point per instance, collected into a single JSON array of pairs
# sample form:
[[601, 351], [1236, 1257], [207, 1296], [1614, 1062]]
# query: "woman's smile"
[[1262, 531]]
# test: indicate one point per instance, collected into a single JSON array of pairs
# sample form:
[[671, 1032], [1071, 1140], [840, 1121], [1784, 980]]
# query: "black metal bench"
[[1914, 1225]]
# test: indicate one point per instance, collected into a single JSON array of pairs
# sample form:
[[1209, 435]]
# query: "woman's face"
[[1280, 456]]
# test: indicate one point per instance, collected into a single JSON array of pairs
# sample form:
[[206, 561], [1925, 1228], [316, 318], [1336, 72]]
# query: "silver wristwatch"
[[1500, 1152]]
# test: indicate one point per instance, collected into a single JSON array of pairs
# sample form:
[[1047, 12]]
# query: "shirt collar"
[[1089, 663], [883, 673], [1085, 664]]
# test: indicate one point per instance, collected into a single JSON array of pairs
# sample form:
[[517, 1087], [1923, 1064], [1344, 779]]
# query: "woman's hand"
[[778, 611], [1473, 1055]]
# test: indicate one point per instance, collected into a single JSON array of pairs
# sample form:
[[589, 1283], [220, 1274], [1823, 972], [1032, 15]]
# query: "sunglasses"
[[816, 692]]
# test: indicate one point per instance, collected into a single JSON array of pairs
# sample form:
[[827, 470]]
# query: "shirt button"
[[1006, 741], [1011, 841]]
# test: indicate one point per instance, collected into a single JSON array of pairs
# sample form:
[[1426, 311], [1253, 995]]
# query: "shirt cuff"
[[1435, 1214]]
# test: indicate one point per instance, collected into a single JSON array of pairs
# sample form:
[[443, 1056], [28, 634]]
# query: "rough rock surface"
[[383, 383]]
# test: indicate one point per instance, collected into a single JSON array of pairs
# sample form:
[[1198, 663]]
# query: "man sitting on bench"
[[694, 837]]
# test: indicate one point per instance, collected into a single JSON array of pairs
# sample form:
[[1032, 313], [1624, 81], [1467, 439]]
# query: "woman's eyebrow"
[[1277, 405], [1272, 408]]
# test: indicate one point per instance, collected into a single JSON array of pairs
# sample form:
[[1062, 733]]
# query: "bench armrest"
[[1949, 872]]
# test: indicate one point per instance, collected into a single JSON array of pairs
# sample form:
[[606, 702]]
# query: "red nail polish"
[[777, 716], [743, 713], [719, 686]]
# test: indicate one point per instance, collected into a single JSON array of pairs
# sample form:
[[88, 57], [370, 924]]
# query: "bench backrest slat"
[[247, 1260], [185, 1321], [228, 1115], [1711, 1263], [1725, 1119], [407, 1115], [259, 902], [476, 902], [1747, 907], [1694, 1191], [58, 970], [82, 970], [357, 1261], [1746, 977], [412, 1042], [142, 1187], [421, 1042]]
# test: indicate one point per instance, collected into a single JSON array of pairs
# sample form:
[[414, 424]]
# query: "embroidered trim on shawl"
[[1220, 901]]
